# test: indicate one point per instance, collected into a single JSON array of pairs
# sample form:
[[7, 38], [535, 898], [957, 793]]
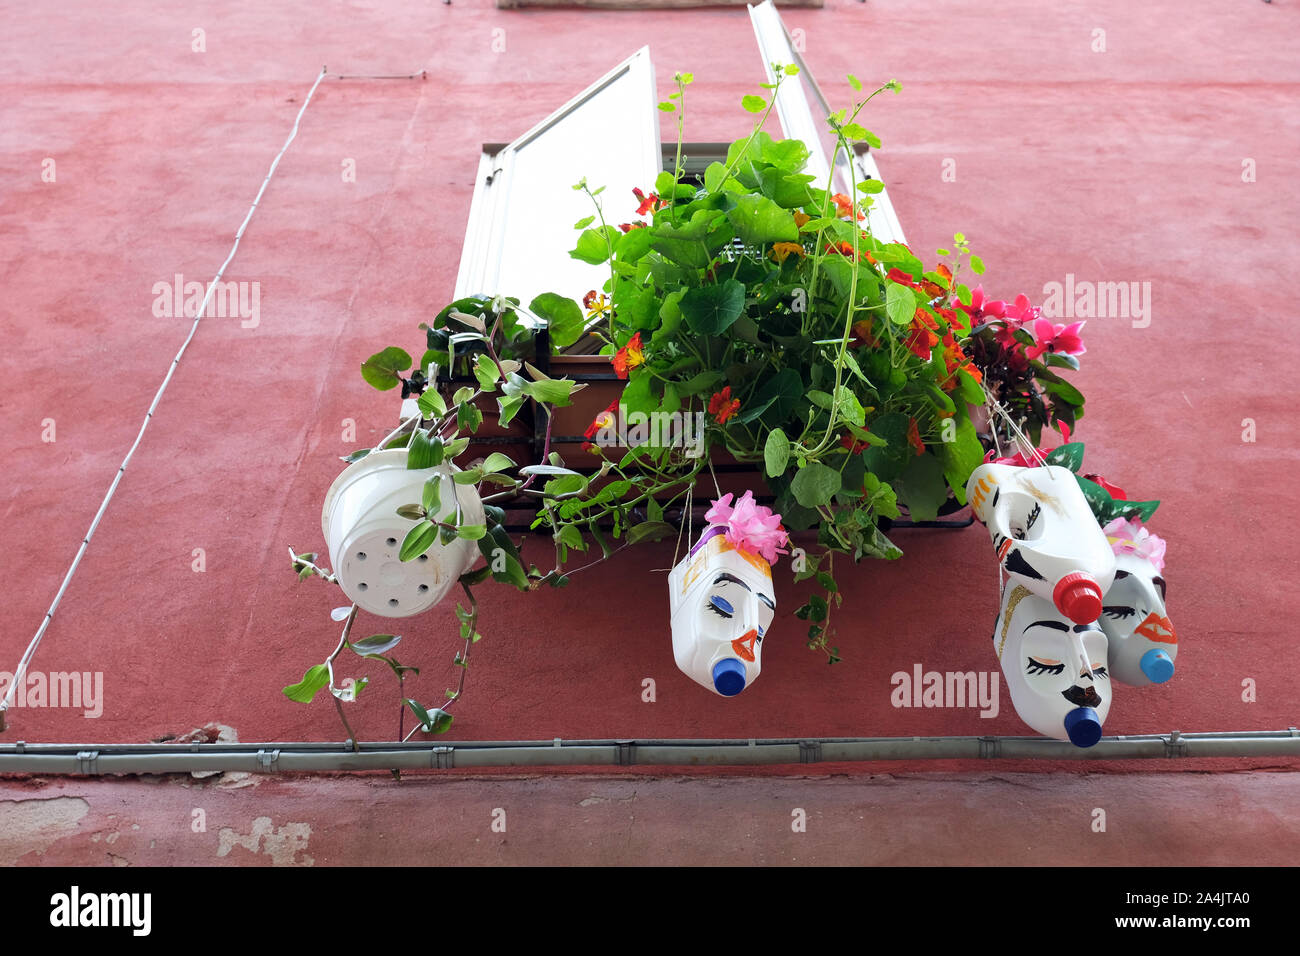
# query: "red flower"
[[604, 420], [914, 436], [853, 445], [844, 248], [722, 406], [648, 203], [902, 278], [588, 299], [629, 226], [863, 334], [629, 356], [845, 206]]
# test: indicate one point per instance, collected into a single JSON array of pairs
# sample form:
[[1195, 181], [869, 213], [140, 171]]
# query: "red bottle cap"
[[1078, 597]]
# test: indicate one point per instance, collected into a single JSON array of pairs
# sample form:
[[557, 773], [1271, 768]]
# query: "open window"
[[803, 109], [521, 217]]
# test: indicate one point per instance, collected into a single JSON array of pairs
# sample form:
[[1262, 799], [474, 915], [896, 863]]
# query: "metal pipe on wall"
[[301, 757]]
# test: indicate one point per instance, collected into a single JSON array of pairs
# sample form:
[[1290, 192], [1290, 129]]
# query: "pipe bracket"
[[1175, 745], [443, 758], [990, 747], [267, 761], [88, 761], [810, 751], [626, 752]]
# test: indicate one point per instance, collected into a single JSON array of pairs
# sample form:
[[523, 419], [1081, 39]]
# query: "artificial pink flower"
[[750, 526], [980, 310], [1127, 536], [1056, 338]]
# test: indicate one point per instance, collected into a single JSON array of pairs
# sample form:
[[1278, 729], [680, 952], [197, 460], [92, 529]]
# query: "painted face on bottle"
[[1045, 535], [1143, 643], [722, 605], [1055, 669]]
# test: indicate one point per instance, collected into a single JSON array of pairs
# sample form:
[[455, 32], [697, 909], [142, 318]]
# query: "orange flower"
[[944, 271], [845, 206], [722, 406], [629, 356], [920, 341], [597, 305], [800, 218], [844, 248], [914, 436], [648, 203], [783, 250], [863, 335], [605, 419]]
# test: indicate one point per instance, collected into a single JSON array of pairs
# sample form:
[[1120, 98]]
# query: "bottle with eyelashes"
[[721, 604], [1142, 641]]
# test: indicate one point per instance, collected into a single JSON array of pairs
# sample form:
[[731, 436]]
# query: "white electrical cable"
[[21, 671]]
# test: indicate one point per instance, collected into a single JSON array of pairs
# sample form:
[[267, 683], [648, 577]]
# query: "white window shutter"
[[521, 218], [803, 110]]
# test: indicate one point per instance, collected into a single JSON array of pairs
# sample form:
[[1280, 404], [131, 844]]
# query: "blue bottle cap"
[[1157, 665], [1083, 726], [729, 677]]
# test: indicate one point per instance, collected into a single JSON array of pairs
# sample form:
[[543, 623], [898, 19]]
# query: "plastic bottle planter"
[[364, 533], [722, 604], [1045, 535], [1055, 669], [1143, 643]]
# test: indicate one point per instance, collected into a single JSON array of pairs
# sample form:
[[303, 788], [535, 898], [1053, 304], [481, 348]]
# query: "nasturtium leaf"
[[753, 104], [815, 484], [900, 303], [922, 487], [562, 316], [758, 221], [711, 309], [594, 245], [381, 369]]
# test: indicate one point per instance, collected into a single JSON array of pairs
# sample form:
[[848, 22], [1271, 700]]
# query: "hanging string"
[[20, 671]]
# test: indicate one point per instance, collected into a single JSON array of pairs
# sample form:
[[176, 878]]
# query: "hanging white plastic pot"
[[721, 604], [365, 533], [1045, 535], [1055, 669]]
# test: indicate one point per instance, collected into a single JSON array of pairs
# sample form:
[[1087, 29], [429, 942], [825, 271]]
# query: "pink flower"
[[1056, 338], [980, 310], [1017, 314], [1127, 536], [750, 526]]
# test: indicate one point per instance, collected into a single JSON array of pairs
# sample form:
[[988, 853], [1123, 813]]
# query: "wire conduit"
[[299, 757]]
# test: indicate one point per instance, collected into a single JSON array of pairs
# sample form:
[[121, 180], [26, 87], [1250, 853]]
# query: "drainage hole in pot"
[[390, 542], [392, 602], [362, 586], [423, 588], [361, 556], [424, 557]]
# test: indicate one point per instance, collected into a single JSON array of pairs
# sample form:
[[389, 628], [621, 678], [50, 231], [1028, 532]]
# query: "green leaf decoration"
[[1069, 456]]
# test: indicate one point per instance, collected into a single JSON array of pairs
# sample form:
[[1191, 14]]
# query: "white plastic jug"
[[722, 603], [365, 533], [1045, 535], [1054, 668], [1143, 643]]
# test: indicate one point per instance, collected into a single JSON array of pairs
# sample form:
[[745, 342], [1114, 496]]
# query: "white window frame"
[[491, 215], [794, 108]]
